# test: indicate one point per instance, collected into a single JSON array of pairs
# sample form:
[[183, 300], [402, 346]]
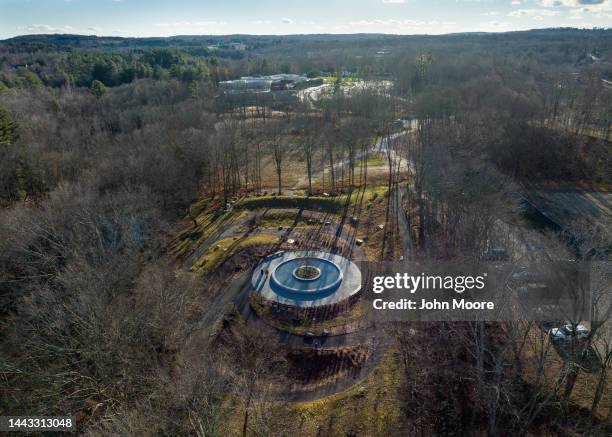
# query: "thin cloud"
[[534, 13], [495, 25], [576, 3], [580, 8], [47, 28], [191, 24], [401, 25]]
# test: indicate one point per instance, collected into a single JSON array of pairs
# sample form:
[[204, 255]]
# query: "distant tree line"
[[81, 68]]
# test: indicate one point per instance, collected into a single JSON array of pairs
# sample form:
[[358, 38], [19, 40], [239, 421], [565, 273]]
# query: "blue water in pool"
[[284, 281]]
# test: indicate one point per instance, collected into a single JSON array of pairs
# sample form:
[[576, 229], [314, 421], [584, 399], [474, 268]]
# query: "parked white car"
[[566, 332]]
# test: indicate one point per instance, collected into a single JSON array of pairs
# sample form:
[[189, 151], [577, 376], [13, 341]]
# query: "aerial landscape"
[[317, 221]]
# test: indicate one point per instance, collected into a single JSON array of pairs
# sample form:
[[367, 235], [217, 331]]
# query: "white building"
[[260, 83]]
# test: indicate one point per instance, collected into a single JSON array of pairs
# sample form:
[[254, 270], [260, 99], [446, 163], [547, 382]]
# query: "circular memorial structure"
[[307, 279]]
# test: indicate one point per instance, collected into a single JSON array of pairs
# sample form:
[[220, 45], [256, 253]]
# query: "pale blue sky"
[[199, 17]]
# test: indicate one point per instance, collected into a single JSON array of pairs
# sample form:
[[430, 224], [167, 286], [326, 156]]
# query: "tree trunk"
[[601, 385]]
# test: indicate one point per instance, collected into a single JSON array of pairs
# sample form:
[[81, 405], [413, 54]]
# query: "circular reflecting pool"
[[306, 277]]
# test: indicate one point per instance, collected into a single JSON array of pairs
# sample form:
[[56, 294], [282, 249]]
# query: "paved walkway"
[[347, 273]]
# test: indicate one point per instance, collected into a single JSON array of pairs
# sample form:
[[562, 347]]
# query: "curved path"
[[238, 291], [373, 337]]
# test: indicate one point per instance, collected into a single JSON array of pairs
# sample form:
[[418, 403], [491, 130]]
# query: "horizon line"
[[594, 28]]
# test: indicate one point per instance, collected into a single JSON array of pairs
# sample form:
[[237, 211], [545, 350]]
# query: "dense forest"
[[110, 146]]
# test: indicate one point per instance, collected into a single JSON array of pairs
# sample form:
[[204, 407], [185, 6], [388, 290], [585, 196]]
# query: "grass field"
[[211, 219], [327, 204], [370, 407], [215, 255]]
